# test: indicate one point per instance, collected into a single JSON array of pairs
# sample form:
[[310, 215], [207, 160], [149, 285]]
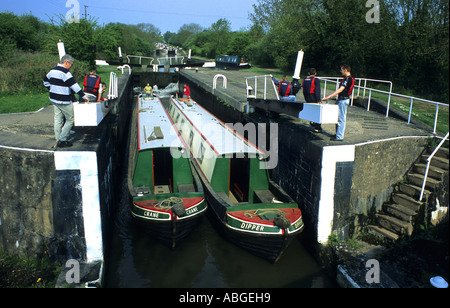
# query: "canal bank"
[[60, 202], [340, 186]]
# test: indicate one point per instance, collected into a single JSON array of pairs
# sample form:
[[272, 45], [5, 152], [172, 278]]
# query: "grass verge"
[[27, 272]]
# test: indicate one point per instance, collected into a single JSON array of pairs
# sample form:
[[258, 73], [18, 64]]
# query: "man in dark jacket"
[[311, 92]]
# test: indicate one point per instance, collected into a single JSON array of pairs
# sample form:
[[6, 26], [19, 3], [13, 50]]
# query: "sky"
[[166, 15]]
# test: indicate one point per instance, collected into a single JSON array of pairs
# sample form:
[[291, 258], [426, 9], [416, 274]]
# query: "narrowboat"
[[227, 62], [249, 208], [167, 193]]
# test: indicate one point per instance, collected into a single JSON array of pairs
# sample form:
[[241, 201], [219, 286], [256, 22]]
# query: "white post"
[[298, 66], [61, 49]]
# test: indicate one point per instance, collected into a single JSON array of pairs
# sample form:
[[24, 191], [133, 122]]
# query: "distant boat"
[[250, 209], [232, 62], [167, 193]]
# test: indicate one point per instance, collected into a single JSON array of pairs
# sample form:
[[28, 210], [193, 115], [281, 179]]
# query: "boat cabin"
[[232, 165]]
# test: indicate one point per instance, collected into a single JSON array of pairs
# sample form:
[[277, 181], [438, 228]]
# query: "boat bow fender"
[[281, 221]]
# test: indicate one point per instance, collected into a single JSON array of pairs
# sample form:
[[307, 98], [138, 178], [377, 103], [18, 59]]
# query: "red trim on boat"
[[292, 214], [150, 204]]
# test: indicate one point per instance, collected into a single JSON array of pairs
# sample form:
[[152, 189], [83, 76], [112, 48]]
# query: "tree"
[[108, 40], [410, 40], [238, 43], [219, 37]]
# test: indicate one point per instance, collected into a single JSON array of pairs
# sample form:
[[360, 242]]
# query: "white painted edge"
[[86, 162], [24, 149], [330, 156], [349, 279]]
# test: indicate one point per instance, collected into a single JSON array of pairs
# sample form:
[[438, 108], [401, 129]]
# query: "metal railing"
[[170, 60], [389, 94], [255, 88], [225, 81], [113, 91], [359, 87], [140, 59], [124, 67], [428, 165]]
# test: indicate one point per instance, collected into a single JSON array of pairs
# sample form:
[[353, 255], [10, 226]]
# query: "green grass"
[[33, 100], [27, 272], [29, 102]]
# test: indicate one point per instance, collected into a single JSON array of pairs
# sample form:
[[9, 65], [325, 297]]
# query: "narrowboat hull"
[[164, 224], [261, 238]]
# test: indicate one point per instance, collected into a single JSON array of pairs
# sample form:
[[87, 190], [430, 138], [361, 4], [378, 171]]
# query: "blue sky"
[[167, 15]]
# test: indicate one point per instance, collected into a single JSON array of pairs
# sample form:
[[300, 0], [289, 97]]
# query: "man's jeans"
[[340, 126], [63, 121], [290, 98]]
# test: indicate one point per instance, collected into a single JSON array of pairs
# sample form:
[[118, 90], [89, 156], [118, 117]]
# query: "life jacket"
[[281, 90], [348, 88], [312, 87], [92, 83]]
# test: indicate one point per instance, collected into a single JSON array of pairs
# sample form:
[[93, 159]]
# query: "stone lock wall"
[[61, 203], [26, 213]]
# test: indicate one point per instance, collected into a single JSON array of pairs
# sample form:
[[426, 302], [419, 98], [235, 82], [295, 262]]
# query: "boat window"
[[202, 154], [181, 126], [191, 138]]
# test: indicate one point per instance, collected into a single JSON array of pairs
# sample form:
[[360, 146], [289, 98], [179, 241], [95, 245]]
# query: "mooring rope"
[[280, 221], [173, 203], [260, 212], [168, 203]]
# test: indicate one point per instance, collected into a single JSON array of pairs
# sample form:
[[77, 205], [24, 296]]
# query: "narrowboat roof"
[[151, 116], [221, 137]]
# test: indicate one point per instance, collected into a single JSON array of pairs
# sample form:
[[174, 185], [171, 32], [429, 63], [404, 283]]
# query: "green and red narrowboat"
[[167, 194], [250, 209]]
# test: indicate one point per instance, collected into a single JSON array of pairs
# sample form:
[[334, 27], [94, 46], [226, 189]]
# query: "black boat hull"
[[169, 233], [267, 246]]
